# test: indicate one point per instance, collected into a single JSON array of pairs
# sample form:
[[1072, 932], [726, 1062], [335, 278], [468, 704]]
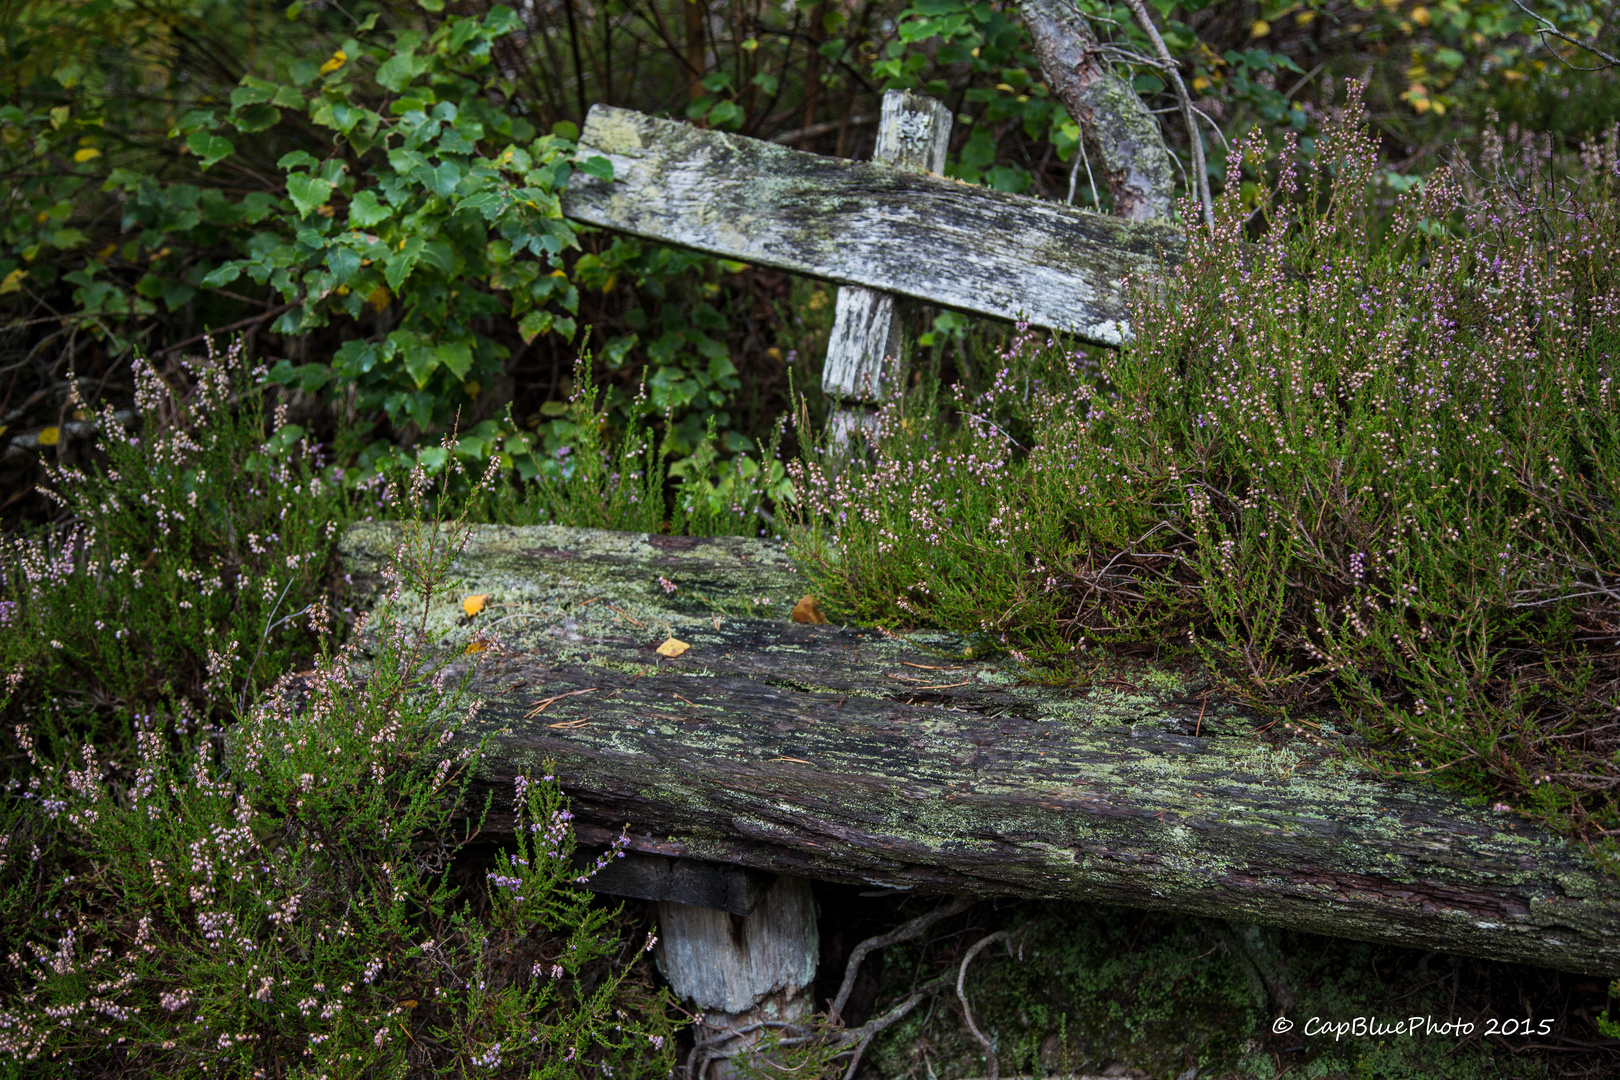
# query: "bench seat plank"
[[844, 754], [857, 223]]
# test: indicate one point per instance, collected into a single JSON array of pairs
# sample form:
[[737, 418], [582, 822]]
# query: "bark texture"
[[858, 223], [1121, 136], [844, 754]]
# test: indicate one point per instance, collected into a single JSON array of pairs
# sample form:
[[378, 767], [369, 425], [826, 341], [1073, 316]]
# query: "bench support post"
[[739, 970], [867, 351]]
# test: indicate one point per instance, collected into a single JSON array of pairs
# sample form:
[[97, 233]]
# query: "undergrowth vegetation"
[[205, 876], [1376, 471]]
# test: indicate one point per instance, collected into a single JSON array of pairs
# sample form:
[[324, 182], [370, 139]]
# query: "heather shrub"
[[1352, 464], [301, 904], [189, 563]]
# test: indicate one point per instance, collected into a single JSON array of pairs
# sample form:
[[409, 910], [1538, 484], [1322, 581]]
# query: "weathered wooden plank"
[[856, 223], [842, 754], [867, 349], [643, 876]]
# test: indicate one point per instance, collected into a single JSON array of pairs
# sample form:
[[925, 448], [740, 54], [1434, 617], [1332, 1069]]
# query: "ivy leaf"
[[256, 118], [400, 264], [308, 192], [443, 179], [420, 362], [212, 149], [343, 262], [456, 357], [398, 70], [252, 91], [365, 211], [597, 166], [297, 159], [534, 324], [223, 275]]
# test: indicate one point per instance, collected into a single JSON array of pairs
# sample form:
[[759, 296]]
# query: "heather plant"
[[1341, 466], [187, 558], [293, 907]]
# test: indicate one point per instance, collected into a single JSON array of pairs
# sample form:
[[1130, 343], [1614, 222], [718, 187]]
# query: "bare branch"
[[1547, 29], [904, 932], [1200, 170]]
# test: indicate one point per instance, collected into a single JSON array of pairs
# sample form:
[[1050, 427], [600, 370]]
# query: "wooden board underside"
[[844, 755], [857, 223]]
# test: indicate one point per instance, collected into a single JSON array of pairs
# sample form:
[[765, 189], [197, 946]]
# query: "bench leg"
[[745, 973]]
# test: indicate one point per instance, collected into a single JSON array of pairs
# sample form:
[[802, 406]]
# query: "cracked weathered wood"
[[857, 223], [866, 351], [841, 754]]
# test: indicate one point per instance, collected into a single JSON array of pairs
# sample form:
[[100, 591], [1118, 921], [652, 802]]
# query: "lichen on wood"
[[858, 223], [845, 754]]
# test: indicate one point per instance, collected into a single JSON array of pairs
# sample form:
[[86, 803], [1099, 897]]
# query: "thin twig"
[[961, 995], [1139, 9], [903, 932]]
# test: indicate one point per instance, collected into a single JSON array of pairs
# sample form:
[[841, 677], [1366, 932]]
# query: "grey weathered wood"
[[844, 755], [731, 964], [938, 240], [867, 347], [739, 971]]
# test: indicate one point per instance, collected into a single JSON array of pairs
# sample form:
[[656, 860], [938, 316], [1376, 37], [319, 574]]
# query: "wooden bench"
[[772, 753], [844, 754]]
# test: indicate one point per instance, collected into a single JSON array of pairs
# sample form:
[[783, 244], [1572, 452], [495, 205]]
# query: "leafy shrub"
[[294, 906], [189, 559], [1382, 475]]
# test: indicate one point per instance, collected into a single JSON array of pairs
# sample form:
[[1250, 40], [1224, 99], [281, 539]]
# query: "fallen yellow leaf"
[[337, 61], [807, 611], [474, 604], [50, 436], [477, 646], [13, 281], [672, 648]]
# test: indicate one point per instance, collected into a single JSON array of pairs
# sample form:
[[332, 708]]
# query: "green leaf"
[[343, 262], [365, 211], [597, 166], [256, 118], [456, 357], [212, 149], [195, 120], [398, 70], [308, 192], [442, 180], [420, 361], [252, 91], [534, 324], [297, 159], [288, 97], [401, 262], [223, 275], [434, 6]]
